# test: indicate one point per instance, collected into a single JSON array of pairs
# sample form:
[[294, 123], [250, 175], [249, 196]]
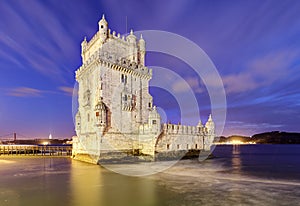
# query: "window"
[[178, 146], [168, 146], [149, 104], [123, 78], [101, 26], [196, 146], [153, 121], [97, 114], [187, 146]]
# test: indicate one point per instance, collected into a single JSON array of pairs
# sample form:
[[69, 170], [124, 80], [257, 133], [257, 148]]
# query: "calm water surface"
[[239, 175]]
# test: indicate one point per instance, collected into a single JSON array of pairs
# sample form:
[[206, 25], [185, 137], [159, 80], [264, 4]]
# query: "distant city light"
[[233, 142], [45, 143]]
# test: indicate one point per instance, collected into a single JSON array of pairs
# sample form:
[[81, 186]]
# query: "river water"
[[238, 175]]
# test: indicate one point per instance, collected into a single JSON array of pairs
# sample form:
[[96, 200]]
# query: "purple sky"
[[255, 46]]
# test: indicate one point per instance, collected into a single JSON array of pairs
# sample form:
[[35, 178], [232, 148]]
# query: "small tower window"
[[153, 121], [149, 104], [168, 146], [187, 146], [102, 26], [123, 78], [196, 146], [178, 146]]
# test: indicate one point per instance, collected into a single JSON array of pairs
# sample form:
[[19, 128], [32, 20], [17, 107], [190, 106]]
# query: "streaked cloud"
[[67, 90], [262, 71], [184, 85], [24, 92]]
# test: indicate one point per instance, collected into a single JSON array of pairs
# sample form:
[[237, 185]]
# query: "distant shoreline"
[[274, 137]]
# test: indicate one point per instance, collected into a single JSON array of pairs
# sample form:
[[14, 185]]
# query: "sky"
[[255, 46]]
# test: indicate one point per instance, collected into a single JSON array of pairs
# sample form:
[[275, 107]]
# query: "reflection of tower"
[[236, 161], [50, 136]]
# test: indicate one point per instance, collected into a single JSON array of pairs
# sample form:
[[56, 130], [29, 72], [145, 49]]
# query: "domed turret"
[[210, 133], [78, 123], [210, 125], [142, 50], [199, 126], [100, 111], [154, 120], [142, 43], [132, 53], [131, 38], [103, 29]]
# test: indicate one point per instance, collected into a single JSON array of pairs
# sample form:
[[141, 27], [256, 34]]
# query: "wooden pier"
[[41, 150]]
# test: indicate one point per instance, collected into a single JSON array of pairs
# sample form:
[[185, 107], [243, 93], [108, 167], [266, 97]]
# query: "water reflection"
[[86, 184], [94, 185], [236, 161]]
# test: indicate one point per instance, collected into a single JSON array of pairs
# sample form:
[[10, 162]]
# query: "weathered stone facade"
[[116, 116]]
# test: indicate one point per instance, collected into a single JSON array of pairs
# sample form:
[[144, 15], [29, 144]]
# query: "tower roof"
[[100, 105], [103, 20]]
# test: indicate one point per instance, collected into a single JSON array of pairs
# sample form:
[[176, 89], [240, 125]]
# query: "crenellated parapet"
[[187, 129], [112, 47]]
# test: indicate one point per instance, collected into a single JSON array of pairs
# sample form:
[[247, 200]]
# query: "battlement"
[[124, 66], [126, 53]]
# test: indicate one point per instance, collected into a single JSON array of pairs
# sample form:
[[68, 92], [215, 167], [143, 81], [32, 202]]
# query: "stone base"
[[86, 158], [128, 156], [114, 157], [181, 154]]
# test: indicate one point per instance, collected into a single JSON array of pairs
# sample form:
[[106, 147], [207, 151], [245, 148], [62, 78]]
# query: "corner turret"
[[154, 121], [210, 133], [142, 50], [103, 29], [100, 112]]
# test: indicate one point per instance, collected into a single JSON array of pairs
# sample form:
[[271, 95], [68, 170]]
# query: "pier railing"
[[42, 150]]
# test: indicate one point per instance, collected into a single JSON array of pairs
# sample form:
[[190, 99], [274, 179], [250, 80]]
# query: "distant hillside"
[[234, 138], [275, 137]]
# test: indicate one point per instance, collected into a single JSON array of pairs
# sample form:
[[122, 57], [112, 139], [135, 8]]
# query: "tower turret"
[[78, 123], [142, 50], [100, 112], [83, 48], [199, 126], [131, 38], [154, 121], [210, 125], [103, 29], [210, 133]]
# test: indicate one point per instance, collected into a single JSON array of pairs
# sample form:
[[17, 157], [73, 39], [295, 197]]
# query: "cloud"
[[24, 92], [36, 40], [190, 83], [262, 71], [67, 90]]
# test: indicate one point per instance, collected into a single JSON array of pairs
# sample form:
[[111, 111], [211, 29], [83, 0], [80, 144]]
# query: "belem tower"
[[116, 117]]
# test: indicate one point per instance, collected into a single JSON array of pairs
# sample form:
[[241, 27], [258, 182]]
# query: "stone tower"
[[116, 113]]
